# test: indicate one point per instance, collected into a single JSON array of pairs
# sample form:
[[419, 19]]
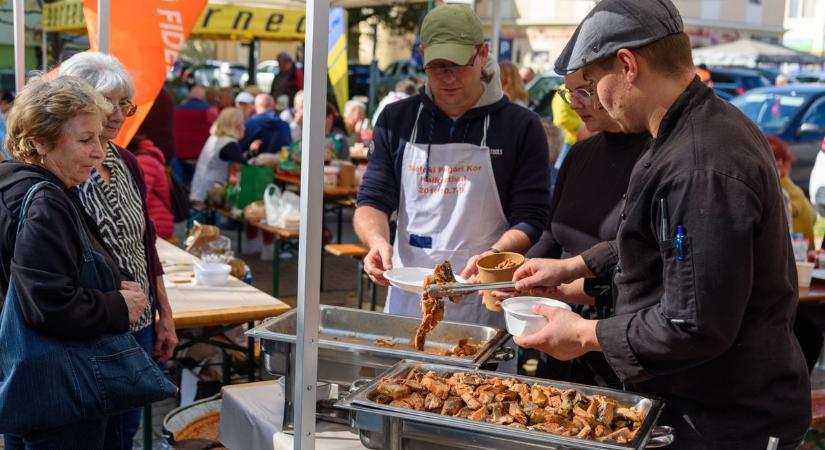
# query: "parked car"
[[817, 185], [737, 81], [397, 71], [795, 114], [541, 91], [806, 77], [218, 74], [359, 79], [265, 72]]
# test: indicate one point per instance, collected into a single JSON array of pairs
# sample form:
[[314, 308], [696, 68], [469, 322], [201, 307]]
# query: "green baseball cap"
[[451, 32]]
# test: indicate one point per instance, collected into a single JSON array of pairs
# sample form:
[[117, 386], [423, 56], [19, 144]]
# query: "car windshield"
[[771, 111]]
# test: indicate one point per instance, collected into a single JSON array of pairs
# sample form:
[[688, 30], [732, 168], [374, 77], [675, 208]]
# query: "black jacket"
[[46, 256], [711, 332]]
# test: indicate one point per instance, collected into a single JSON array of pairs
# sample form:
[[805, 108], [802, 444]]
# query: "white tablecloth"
[[251, 418]]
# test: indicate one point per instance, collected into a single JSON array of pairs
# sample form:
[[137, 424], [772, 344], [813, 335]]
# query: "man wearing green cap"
[[466, 171]]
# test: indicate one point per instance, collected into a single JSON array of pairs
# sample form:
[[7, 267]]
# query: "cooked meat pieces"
[[463, 348], [506, 264], [433, 401], [439, 388], [432, 308], [394, 390], [509, 402]]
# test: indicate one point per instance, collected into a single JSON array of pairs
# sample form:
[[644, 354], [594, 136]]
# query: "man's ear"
[[629, 64]]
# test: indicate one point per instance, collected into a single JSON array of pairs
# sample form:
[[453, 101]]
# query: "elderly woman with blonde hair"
[[218, 154], [53, 136], [115, 197]]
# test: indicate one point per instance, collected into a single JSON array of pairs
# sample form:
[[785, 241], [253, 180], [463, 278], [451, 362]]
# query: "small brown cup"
[[488, 274]]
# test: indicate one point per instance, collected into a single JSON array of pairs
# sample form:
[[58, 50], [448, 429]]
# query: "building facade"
[[805, 24], [535, 31]]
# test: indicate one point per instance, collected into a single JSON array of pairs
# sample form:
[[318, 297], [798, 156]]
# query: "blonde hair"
[[42, 110], [227, 122], [555, 139], [511, 83]]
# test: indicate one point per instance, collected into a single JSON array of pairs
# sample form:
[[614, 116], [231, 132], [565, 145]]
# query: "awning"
[[749, 53]]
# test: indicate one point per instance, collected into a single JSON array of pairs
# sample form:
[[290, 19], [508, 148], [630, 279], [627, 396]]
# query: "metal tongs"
[[458, 289]]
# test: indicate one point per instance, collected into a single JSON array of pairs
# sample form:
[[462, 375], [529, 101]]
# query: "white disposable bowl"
[[411, 279], [518, 312], [212, 274]]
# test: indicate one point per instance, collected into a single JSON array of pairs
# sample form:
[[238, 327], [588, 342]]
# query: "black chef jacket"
[[708, 328]]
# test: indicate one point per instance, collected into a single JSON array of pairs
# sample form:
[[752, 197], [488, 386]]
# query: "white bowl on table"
[[411, 279], [518, 313], [212, 274]]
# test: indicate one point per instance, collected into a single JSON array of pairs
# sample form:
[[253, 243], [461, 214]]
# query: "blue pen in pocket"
[[680, 239]]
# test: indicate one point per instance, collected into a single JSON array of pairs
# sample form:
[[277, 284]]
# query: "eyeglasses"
[[126, 107], [455, 70], [583, 95]]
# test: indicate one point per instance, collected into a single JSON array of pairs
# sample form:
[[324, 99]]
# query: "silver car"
[[265, 72]]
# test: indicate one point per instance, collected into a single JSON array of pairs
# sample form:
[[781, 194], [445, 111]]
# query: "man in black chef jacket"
[[703, 270]]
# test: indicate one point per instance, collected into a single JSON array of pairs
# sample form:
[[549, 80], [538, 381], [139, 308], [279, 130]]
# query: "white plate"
[[819, 274], [411, 279]]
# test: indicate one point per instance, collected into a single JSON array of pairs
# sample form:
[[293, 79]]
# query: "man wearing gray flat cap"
[[705, 285]]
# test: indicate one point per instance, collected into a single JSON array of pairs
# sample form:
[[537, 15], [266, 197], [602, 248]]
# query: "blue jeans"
[[86, 435], [121, 428]]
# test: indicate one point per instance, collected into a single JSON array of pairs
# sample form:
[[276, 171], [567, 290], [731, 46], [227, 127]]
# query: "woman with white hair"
[[115, 197], [355, 112]]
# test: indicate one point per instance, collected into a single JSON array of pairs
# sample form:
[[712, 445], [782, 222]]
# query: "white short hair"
[[104, 72], [352, 105]]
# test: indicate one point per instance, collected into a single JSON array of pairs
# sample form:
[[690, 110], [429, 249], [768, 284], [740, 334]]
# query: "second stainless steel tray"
[[392, 428]]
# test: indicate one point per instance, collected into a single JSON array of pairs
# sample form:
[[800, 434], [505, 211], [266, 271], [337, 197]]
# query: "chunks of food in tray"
[[432, 308], [512, 403]]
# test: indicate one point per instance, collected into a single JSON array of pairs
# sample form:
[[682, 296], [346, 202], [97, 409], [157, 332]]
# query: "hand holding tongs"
[[456, 289]]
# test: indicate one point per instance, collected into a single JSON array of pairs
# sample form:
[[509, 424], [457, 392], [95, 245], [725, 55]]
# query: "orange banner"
[[146, 36]]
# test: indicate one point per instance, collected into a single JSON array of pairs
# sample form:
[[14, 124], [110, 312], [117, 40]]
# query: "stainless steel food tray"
[[347, 349], [390, 428]]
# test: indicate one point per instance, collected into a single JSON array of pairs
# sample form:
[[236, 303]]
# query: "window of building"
[[808, 7], [793, 8]]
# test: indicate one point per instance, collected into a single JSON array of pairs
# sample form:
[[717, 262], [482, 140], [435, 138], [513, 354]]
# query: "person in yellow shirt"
[[803, 214], [570, 123]]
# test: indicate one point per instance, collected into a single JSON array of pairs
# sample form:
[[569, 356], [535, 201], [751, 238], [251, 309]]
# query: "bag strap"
[[86, 245]]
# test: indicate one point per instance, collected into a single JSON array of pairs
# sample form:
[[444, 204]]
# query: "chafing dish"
[[391, 428], [348, 348]]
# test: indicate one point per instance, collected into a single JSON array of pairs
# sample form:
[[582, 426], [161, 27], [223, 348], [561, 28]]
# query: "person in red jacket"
[[158, 198]]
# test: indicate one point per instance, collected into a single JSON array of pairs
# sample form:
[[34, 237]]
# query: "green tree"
[[398, 18]]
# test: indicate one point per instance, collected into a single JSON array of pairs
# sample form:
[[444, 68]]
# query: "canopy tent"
[[751, 53]]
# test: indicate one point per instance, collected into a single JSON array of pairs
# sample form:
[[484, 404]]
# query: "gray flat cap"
[[615, 24]]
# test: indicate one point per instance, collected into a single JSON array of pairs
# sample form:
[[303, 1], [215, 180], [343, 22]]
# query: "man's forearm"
[[163, 306], [513, 241], [371, 226]]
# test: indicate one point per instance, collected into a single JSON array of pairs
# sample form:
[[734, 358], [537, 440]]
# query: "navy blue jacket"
[[518, 152], [269, 128]]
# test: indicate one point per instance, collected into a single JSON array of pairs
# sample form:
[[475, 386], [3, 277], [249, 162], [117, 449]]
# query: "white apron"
[[450, 216]]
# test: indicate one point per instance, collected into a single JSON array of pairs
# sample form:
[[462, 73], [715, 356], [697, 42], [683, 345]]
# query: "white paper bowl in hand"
[[518, 312], [213, 274]]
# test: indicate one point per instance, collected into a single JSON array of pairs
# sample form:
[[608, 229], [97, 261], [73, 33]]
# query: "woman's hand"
[[135, 302]]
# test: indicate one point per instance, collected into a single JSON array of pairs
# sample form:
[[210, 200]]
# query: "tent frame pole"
[[19, 45], [309, 249]]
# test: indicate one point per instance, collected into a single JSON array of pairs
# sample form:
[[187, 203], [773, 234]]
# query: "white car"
[[265, 72]]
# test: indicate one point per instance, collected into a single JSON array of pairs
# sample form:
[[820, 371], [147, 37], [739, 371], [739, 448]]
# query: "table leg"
[[360, 286], [147, 427], [340, 222], [276, 266], [250, 353]]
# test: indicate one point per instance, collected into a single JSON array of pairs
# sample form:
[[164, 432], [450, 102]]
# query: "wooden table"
[[815, 293], [329, 191], [201, 306]]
